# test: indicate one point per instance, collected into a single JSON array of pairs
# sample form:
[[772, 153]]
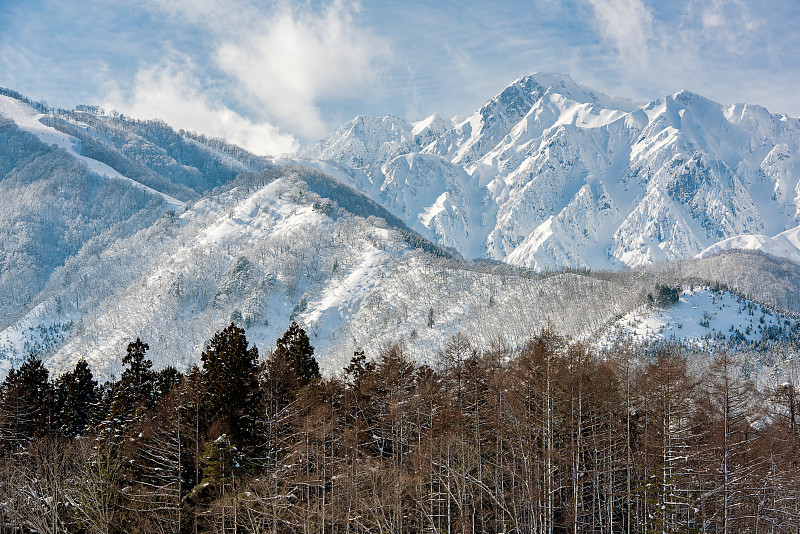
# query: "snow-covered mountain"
[[550, 174], [78, 180], [114, 229], [703, 318], [786, 245]]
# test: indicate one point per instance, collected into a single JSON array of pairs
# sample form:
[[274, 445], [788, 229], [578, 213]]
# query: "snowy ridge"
[[28, 119], [785, 245], [547, 174], [551, 174]]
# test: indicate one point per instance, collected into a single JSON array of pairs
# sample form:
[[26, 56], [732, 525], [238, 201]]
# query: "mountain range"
[[549, 174], [551, 205]]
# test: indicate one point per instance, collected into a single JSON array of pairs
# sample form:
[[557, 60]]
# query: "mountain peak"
[[563, 84], [434, 121], [672, 178], [547, 79]]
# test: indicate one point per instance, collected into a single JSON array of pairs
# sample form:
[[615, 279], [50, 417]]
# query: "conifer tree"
[[165, 380], [75, 397], [26, 402], [134, 392], [358, 369], [295, 347], [230, 383], [17, 416], [138, 380], [33, 375]]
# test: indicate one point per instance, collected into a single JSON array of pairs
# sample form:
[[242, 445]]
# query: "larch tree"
[[731, 404]]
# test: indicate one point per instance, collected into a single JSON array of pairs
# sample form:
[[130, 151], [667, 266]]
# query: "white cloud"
[[283, 62], [171, 91], [290, 60], [278, 65], [726, 25], [723, 49], [628, 24]]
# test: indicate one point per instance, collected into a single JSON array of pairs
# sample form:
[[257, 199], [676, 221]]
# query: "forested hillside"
[[415, 390], [552, 438], [117, 228]]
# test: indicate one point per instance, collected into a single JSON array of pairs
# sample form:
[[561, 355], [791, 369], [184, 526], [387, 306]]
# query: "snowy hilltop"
[[550, 174]]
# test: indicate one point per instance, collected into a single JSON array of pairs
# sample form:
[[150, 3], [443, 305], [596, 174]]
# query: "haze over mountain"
[[116, 228]]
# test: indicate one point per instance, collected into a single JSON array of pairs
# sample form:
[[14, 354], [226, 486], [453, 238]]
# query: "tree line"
[[550, 439]]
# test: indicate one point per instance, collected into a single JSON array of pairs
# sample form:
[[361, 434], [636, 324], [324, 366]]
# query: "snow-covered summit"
[[95, 252], [785, 244], [366, 140], [554, 174]]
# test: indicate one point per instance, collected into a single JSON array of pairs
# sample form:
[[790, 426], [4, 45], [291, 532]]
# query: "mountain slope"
[[76, 179], [785, 244], [115, 229], [550, 174]]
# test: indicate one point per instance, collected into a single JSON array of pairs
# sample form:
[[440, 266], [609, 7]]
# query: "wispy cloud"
[[275, 73], [725, 49], [290, 60], [628, 25], [280, 63], [171, 91]]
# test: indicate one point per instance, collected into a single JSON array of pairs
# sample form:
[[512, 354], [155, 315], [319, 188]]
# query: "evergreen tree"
[[165, 380], [33, 375], [138, 380], [230, 383], [295, 347], [75, 396], [133, 394], [358, 369], [27, 399]]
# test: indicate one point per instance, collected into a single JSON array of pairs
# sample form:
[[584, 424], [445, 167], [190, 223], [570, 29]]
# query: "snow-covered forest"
[[553, 438]]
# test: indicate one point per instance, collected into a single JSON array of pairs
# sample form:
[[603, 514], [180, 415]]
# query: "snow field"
[[702, 317]]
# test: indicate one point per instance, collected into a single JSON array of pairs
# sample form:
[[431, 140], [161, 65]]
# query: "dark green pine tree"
[[138, 380], [295, 347], [230, 385], [27, 398], [132, 394], [34, 378], [75, 396], [166, 379], [359, 369]]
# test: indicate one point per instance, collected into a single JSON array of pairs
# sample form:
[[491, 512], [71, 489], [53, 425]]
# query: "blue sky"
[[275, 76]]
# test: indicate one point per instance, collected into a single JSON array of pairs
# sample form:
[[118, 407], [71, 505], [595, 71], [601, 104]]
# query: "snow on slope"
[[258, 257], [39, 332], [269, 251], [28, 119], [266, 251], [552, 174], [703, 318], [784, 245], [548, 174]]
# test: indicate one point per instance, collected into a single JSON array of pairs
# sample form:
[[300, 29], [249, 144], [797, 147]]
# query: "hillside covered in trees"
[[552, 438]]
